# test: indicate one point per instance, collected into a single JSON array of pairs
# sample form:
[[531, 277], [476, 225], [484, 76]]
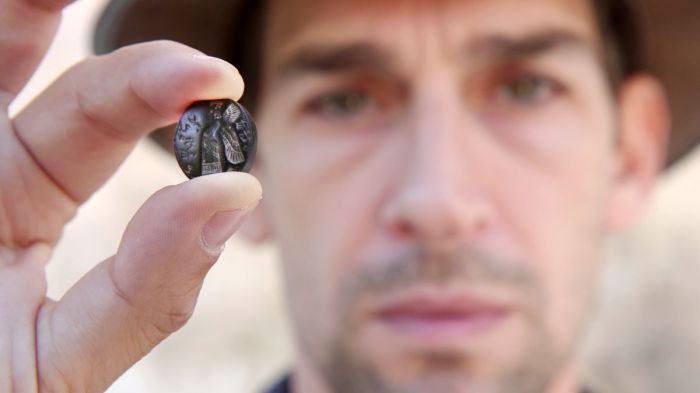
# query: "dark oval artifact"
[[214, 137]]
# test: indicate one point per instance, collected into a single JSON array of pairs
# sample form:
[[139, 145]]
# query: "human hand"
[[58, 151]]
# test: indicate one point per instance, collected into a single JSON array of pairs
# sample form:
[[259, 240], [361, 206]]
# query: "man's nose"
[[439, 200]]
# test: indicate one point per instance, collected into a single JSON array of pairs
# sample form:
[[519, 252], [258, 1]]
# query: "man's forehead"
[[293, 25]]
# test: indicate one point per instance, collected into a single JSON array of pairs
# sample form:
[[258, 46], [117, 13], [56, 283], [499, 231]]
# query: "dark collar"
[[282, 386]]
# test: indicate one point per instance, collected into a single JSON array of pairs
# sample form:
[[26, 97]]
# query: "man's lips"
[[434, 317]]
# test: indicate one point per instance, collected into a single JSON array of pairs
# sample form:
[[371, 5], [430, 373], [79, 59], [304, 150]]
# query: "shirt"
[[282, 386]]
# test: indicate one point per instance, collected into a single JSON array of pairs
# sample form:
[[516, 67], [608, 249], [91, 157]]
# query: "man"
[[439, 177]]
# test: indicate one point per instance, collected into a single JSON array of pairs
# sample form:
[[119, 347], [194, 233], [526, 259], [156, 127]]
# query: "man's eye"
[[529, 89], [341, 104]]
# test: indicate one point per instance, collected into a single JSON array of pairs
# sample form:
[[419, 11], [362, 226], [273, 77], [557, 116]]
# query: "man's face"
[[438, 177]]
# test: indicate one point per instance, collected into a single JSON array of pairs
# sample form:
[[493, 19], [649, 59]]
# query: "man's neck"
[[306, 379]]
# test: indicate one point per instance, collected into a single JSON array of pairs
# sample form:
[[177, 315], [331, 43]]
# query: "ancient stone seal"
[[215, 136]]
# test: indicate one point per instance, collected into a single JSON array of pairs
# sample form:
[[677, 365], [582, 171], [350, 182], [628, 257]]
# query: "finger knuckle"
[[172, 320]]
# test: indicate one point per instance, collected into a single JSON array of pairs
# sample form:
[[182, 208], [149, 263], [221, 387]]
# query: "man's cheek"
[[566, 245]]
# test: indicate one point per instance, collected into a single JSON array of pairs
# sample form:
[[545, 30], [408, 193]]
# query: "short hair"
[[618, 24], [623, 43]]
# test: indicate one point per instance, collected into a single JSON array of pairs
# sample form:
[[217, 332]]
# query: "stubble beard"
[[533, 372], [345, 370]]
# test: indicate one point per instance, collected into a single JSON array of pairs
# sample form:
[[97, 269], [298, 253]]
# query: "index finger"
[[82, 128], [26, 30]]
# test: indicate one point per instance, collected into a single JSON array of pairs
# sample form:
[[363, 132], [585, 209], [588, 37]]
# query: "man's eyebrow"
[[335, 59], [503, 47], [329, 59]]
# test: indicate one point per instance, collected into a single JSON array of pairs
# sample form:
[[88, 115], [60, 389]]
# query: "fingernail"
[[220, 228], [202, 56], [212, 59]]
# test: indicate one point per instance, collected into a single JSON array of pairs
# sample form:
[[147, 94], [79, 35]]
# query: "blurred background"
[[645, 337]]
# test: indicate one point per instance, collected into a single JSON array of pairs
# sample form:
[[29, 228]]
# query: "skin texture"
[[408, 153], [130, 302], [455, 174]]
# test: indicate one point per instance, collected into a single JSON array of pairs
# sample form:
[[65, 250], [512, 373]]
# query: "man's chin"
[[437, 371], [482, 355], [439, 382]]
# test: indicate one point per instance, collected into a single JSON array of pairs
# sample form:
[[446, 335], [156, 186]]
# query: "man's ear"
[[256, 228], [643, 125]]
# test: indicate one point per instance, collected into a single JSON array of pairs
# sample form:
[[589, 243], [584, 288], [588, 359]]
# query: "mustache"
[[468, 266]]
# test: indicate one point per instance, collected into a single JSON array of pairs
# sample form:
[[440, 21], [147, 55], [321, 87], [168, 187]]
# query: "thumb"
[[126, 305], [177, 236]]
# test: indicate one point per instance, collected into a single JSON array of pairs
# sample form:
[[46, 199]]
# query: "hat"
[[669, 28]]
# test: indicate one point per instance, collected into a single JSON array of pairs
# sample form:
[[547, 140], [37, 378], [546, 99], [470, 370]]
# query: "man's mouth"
[[433, 317]]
